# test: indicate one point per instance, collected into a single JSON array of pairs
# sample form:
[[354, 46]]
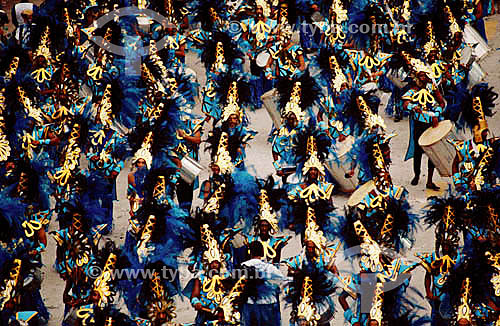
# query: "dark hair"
[[256, 249]]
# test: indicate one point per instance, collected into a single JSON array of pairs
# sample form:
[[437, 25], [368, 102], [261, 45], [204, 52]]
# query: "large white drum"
[[262, 59], [190, 169], [360, 194], [272, 107], [472, 38], [340, 169], [438, 149], [476, 74]]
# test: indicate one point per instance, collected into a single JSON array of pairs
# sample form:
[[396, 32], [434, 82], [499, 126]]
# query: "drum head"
[[345, 146], [360, 193], [465, 55], [434, 135], [262, 59]]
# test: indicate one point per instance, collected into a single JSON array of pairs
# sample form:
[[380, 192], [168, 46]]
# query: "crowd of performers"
[[72, 114]]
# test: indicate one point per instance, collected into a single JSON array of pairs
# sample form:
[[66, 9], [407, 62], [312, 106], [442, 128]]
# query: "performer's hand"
[[55, 141], [35, 142], [432, 297], [197, 306], [280, 173], [94, 158], [114, 174], [435, 122]]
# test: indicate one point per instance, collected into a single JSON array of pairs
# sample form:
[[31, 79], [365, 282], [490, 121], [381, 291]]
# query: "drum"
[[438, 149], [397, 78], [340, 168], [476, 74], [144, 23], [360, 194], [262, 59], [465, 56], [272, 107], [190, 169], [371, 86], [472, 38]]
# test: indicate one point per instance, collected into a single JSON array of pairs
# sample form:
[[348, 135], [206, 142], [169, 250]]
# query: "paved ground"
[[260, 159]]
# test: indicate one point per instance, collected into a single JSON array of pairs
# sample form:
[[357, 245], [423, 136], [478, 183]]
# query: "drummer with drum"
[[425, 104], [472, 166], [260, 31], [289, 57], [284, 140]]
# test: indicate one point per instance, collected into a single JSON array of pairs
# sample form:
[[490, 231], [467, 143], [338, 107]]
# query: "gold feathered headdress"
[[482, 124], [313, 160], [371, 119], [105, 112], [370, 250], [464, 309], [222, 159], [212, 250], [339, 78], [377, 304], [293, 105], [313, 232], [307, 310], [232, 106], [145, 151], [266, 212], [44, 46]]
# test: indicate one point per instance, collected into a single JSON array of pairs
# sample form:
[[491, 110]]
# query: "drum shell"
[[262, 59], [479, 46], [359, 195], [435, 145], [190, 169], [476, 74], [339, 168], [272, 107]]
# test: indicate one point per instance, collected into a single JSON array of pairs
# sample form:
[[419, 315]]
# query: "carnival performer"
[[426, 105]]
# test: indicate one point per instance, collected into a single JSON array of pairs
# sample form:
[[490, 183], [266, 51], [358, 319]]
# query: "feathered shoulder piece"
[[305, 286], [327, 63], [207, 12], [486, 210], [233, 89], [469, 285], [478, 105], [219, 137], [275, 195], [395, 226], [448, 215], [218, 50], [312, 139], [305, 91], [159, 184], [360, 111]]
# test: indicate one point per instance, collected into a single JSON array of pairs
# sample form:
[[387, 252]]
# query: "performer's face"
[[259, 13], [291, 120], [422, 77], [140, 163], [264, 228], [310, 249], [233, 121], [214, 266], [215, 168], [463, 322], [373, 323], [313, 173]]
